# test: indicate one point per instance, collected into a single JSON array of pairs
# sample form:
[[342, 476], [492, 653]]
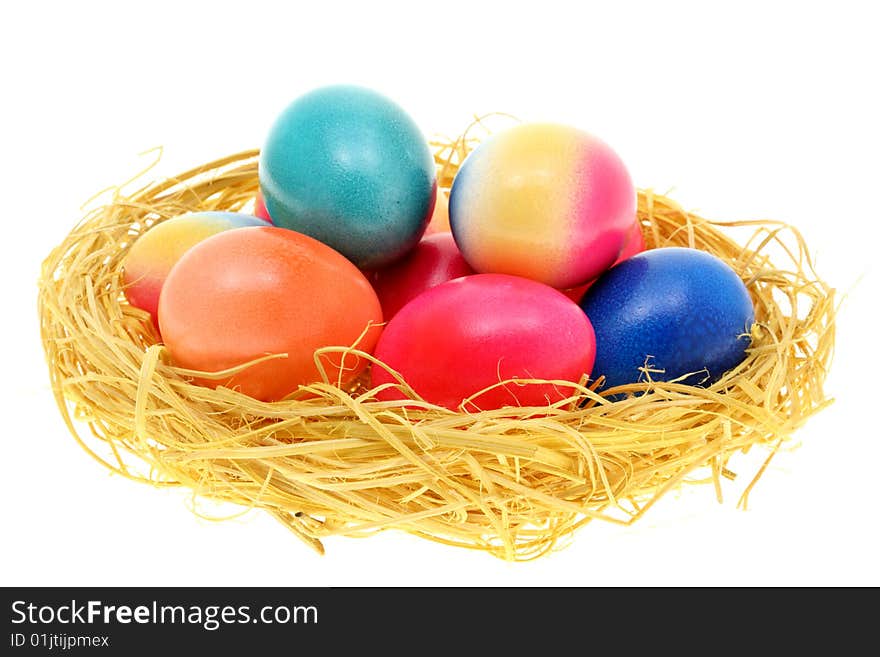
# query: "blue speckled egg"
[[350, 168], [684, 311]]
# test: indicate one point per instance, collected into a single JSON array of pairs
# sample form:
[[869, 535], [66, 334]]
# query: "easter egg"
[[349, 167], [465, 335], [439, 222], [155, 252], [635, 243], [543, 201], [246, 293], [260, 207], [681, 311], [434, 260]]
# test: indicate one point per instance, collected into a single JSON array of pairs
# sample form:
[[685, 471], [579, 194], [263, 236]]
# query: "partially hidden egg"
[[461, 337], [153, 254], [681, 313], [247, 293], [635, 243], [434, 260], [439, 222], [349, 167], [544, 201], [260, 207]]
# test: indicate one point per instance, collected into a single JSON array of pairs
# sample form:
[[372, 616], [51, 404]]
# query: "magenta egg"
[[635, 242], [543, 201], [468, 334], [260, 207], [434, 260]]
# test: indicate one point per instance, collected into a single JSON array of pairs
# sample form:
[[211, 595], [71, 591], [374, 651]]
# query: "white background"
[[755, 110]]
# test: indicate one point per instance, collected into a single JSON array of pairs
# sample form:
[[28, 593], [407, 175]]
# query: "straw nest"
[[512, 482]]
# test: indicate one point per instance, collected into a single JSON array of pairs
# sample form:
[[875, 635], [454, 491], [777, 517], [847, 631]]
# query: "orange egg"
[[440, 218], [249, 292]]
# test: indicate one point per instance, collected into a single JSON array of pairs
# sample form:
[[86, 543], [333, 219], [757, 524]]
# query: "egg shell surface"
[[246, 293], [543, 201], [440, 217], [434, 260], [635, 243], [153, 254], [260, 207], [680, 310], [349, 167], [460, 337]]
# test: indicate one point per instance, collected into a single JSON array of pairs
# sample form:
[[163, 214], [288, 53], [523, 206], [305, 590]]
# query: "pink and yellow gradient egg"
[[155, 252], [543, 201]]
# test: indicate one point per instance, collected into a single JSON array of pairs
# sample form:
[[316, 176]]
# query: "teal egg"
[[349, 167]]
